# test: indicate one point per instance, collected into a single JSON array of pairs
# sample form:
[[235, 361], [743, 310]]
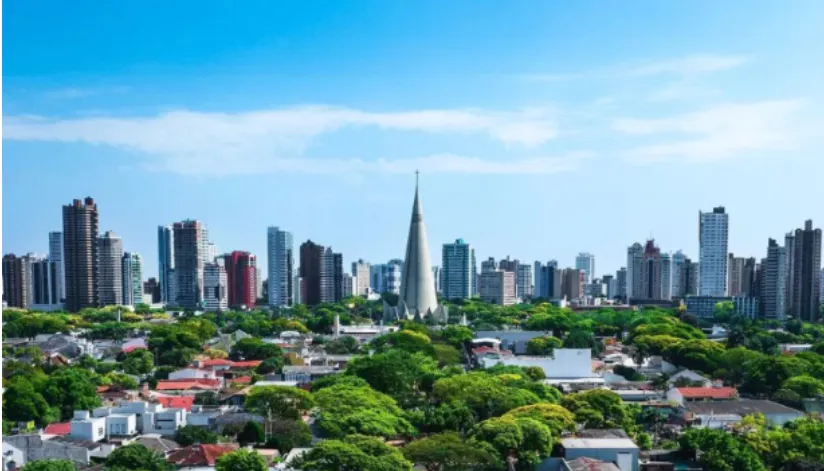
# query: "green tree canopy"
[[448, 452], [193, 434], [138, 458], [528, 438], [71, 389], [545, 345], [282, 402], [49, 465], [396, 372], [253, 348], [138, 362], [554, 416], [353, 453], [241, 460]]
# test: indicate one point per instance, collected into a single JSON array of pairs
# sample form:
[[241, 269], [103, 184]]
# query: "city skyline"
[[318, 129]]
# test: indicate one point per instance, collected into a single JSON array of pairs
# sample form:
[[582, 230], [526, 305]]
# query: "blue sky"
[[541, 129]]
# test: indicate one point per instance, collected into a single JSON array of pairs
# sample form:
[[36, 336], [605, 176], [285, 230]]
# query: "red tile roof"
[[199, 455], [241, 379], [61, 428], [186, 384], [246, 364], [484, 349], [215, 362], [709, 393], [102, 389], [177, 402]]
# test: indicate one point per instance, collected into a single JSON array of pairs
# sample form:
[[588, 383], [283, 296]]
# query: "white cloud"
[[275, 140], [716, 133], [691, 65], [71, 93]]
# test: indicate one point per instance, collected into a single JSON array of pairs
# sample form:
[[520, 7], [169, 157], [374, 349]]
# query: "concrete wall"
[[34, 449]]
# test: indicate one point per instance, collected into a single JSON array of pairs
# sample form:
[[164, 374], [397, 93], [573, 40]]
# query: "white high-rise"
[[635, 261], [360, 272], [678, 284], [524, 284], [713, 252], [110, 255], [458, 270], [666, 276], [56, 257], [166, 263], [280, 258], [585, 262], [215, 284], [132, 272]]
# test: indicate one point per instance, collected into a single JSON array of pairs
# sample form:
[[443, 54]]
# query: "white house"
[[85, 427], [566, 363], [121, 425], [690, 375], [149, 417], [193, 373]]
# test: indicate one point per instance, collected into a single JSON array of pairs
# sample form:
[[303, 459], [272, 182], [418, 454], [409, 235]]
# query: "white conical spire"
[[417, 284]]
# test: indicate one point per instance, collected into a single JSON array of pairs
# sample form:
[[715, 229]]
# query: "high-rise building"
[[42, 282], [360, 271], [548, 281], [311, 266], [208, 250], [188, 263], [621, 283], [523, 283], [241, 279], [687, 279], [56, 256], [331, 276], [386, 277], [489, 265], [215, 282], [773, 281], [735, 276], [132, 270], [821, 287], [652, 277], [585, 261], [349, 285], [80, 258], [151, 287], [436, 276], [789, 250], [713, 238], [678, 261], [281, 272], [573, 283], [15, 281], [635, 261], [458, 270], [497, 287], [806, 267], [748, 279], [259, 283], [394, 275], [666, 276], [110, 266], [610, 285], [166, 262]]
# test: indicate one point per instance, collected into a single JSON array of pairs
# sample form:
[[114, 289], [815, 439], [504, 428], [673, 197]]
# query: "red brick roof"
[[187, 384], [199, 455], [177, 402], [61, 428], [708, 393]]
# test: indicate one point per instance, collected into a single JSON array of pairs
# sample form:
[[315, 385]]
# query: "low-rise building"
[[88, 428], [703, 306], [566, 363], [622, 452], [18, 450], [691, 394], [721, 414]]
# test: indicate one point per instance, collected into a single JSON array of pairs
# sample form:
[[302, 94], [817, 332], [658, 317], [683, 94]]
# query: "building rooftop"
[[741, 407], [595, 443], [707, 393], [176, 402], [590, 464], [61, 428]]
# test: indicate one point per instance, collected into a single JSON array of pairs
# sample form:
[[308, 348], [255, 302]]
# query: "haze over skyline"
[[540, 130]]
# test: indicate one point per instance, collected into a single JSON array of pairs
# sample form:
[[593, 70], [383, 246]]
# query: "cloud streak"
[[275, 140], [716, 133]]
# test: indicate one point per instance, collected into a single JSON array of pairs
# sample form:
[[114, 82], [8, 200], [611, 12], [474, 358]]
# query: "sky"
[[540, 129]]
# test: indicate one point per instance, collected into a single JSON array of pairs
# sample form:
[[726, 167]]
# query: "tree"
[[281, 402], [288, 434], [332, 380], [630, 374], [217, 354], [253, 348], [527, 438], [23, 403], [49, 465], [406, 340], [487, 395], [395, 372], [354, 453], [241, 460], [719, 450], [765, 375], [447, 416], [270, 365], [136, 457], [138, 362], [446, 354], [193, 434], [207, 398], [805, 386], [71, 389], [118, 380], [457, 335], [580, 338], [598, 408], [557, 418], [545, 345], [695, 354], [343, 345], [252, 433], [344, 410], [448, 452]]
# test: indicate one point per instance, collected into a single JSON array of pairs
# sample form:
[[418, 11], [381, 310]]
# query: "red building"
[[241, 274]]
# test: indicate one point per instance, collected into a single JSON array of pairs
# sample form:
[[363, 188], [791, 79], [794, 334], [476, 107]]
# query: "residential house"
[[721, 414], [195, 457], [189, 386], [691, 376], [692, 394], [622, 452], [18, 450]]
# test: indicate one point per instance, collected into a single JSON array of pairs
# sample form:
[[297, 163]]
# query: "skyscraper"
[[215, 282], [110, 251], [806, 265], [652, 278], [573, 283], [774, 281], [42, 282], [678, 261], [281, 272], [348, 285], [188, 262], [735, 275], [132, 270], [497, 287], [311, 265], [360, 271], [458, 270], [80, 258], [713, 238], [331, 276], [241, 274], [166, 262], [15, 281], [523, 283], [748, 278], [489, 265], [585, 261], [666, 276], [635, 260], [621, 283], [610, 285], [56, 256], [436, 276]]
